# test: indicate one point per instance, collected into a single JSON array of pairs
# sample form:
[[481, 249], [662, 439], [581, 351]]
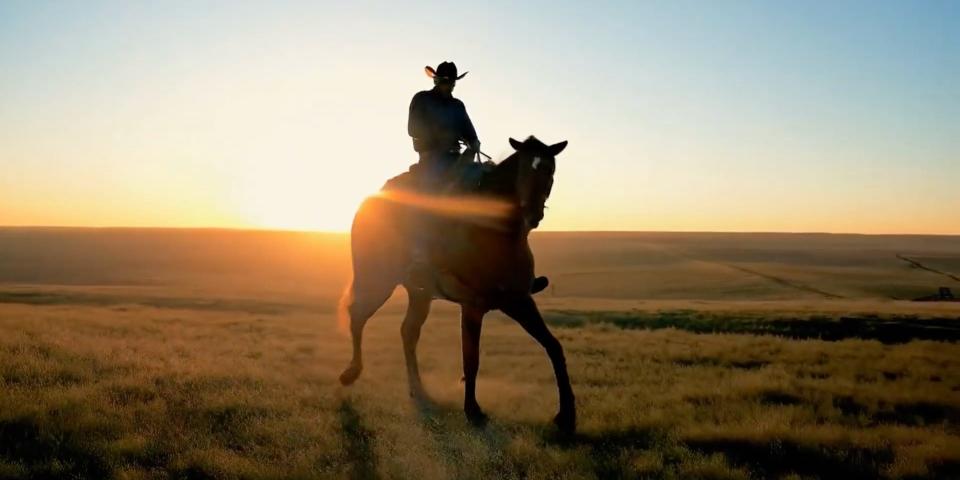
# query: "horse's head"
[[537, 162]]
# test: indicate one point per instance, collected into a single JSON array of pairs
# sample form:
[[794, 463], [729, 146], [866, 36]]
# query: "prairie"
[[214, 354]]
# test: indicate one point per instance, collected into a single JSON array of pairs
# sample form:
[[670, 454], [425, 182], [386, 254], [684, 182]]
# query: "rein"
[[479, 154]]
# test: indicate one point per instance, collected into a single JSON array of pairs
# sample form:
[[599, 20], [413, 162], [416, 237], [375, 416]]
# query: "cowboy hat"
[[446, 71]]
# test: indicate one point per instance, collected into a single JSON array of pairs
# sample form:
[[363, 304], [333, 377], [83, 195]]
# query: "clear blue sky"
[[783, 116]]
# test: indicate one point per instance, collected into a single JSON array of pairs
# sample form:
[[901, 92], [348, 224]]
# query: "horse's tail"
[[343, 307]]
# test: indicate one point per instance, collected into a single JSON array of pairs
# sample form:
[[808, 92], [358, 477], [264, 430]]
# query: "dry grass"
[[136, 391], [182, 354]]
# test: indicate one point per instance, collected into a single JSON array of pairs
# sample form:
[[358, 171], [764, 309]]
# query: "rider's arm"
[[469, 133], [417, 125]]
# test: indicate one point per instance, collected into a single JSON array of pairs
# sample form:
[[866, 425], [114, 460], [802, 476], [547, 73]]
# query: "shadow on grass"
[[774, 459], [606, 449], [893, 329], [45, 451], [909, 413], [444, 423], [610, 453], [358, 442], [54, 297]]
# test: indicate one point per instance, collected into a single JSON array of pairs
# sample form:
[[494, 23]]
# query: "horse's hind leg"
[[417, 310], [367, 299]]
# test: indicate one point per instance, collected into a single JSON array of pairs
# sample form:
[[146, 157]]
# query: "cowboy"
[[438, 123]]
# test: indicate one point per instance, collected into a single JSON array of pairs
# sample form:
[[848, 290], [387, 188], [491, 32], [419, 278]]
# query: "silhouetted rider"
[[437, 123]]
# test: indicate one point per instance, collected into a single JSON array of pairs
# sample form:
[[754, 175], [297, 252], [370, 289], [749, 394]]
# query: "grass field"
[[214, 354]]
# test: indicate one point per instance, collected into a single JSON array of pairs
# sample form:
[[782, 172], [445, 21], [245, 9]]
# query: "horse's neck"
[[501, 184], [502, 181]]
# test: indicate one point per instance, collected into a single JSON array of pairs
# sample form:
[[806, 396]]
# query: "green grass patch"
[[890, 329]]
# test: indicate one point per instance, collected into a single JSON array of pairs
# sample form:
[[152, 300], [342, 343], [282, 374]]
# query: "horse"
[[484, 263]]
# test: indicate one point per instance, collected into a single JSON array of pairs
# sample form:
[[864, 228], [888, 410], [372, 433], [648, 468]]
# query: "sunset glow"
[[769, 117]]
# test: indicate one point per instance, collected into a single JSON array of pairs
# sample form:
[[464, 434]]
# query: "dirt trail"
[[783, 281], [916, 264], [684, 254]]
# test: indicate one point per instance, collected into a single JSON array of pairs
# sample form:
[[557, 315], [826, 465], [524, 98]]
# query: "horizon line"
[[347, 232]]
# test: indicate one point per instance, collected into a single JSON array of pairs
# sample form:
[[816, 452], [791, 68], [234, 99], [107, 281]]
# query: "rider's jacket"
[[436, 123]]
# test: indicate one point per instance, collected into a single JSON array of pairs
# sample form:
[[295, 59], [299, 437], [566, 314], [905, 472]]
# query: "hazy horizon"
[[535, 232]]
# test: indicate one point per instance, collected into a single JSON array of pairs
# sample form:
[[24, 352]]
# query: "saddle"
[[463, 177]]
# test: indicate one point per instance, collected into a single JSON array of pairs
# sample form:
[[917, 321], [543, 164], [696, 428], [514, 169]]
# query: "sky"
[[821, 116]]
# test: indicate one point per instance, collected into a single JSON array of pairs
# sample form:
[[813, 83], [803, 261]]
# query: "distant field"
[[705, 266], [214, 354]]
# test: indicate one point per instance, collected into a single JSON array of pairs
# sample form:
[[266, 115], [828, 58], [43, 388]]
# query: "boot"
[[539, 284]]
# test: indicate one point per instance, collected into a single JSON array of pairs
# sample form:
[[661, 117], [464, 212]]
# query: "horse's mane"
[[502, 179]]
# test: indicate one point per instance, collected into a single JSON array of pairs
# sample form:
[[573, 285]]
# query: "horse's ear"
[[515, 144], [557, 148]]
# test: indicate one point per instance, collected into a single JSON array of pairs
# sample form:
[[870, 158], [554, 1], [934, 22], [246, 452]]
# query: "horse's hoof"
[[475, 416], [422, 401], [566, 422], [420, 397], [350, 375]]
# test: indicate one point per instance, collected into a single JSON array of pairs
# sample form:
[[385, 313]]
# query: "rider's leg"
[[430, 179]]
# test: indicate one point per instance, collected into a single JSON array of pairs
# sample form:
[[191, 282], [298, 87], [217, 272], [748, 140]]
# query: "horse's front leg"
[[524, 310], [471, 321]]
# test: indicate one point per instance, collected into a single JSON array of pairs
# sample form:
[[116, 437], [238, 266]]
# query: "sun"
[[298, 196]]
